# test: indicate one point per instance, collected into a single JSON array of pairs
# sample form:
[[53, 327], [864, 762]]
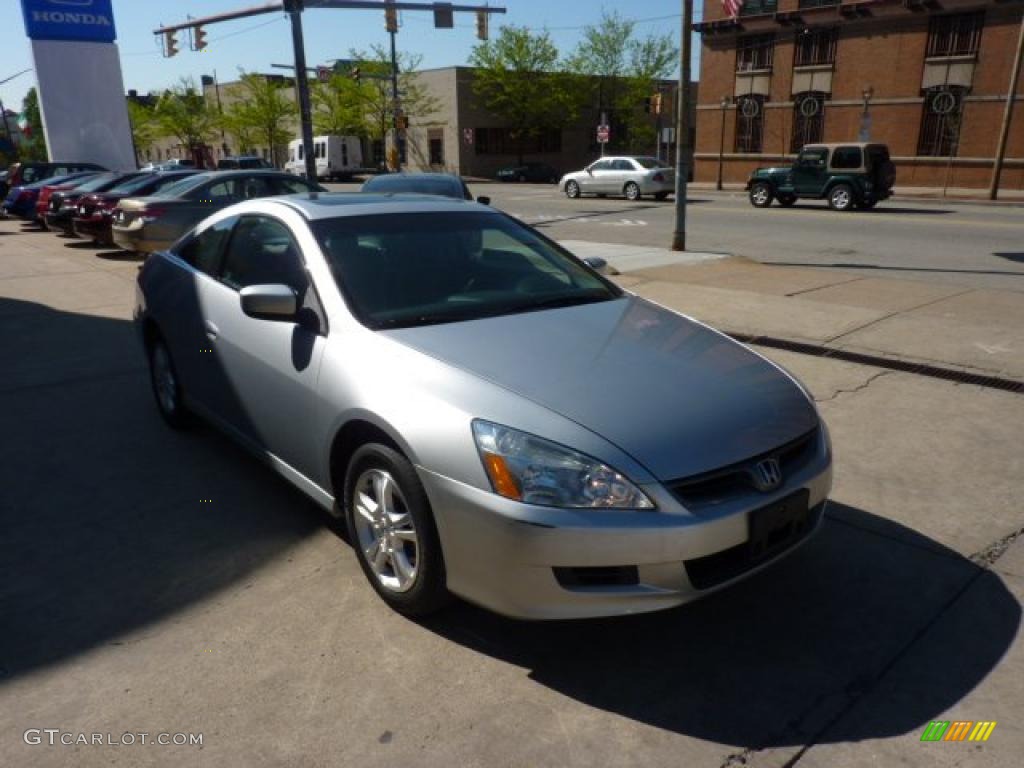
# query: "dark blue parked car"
[[21, 201]]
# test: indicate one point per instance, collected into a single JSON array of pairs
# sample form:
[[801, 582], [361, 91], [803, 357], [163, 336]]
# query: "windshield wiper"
[[553, 302]]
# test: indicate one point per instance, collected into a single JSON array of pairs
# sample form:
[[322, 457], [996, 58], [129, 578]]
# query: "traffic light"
[[481, 25], [390, 19], [200, 38], [170, 43]]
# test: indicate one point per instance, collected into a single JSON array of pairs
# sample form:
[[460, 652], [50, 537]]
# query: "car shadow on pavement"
[[883, 208], [112, 521], [1010, 256], [556, 219], [784, 658], [121, 255]]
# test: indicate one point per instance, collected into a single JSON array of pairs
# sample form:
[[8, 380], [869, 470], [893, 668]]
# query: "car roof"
[[329, 205], [235, 172], [861, 144]]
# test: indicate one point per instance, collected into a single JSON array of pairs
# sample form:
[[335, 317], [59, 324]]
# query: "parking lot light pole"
[[294, 11]]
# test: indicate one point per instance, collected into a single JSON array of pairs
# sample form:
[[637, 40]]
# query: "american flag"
[[732, 7]]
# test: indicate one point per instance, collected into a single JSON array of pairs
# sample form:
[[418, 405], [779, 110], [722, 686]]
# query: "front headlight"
[[529, 469]]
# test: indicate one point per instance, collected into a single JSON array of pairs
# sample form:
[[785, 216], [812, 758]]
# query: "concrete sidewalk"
[[980, 331]]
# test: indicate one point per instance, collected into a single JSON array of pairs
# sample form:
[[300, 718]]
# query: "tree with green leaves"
[[183, 113], [340, 106], [624, 71], [31, 122], [375, 73], [519, 78], [143, 125], [264, 109]]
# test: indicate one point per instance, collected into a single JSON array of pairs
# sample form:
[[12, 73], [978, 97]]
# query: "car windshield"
[[127, 187], [412, 269], [415, 184], [649, 162]]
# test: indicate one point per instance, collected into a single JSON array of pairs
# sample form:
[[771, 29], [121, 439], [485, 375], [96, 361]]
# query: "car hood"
[[677, 396]]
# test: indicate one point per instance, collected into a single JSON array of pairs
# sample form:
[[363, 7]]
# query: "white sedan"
[[628, 176]]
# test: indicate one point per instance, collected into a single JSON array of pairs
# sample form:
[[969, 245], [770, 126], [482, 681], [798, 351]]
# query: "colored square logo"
[[81, 20]]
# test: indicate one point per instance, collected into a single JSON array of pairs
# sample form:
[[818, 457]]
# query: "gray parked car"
[[632, 177], [492, 418]]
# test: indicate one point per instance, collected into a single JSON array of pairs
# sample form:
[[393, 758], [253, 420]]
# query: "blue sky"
[[256, 43]]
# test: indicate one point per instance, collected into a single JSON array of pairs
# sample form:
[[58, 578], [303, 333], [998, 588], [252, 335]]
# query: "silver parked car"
[[493, 418], [629, 176]]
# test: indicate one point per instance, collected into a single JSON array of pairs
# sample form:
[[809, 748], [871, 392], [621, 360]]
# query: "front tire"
[[841, 198], [163, 378], [631, 191], [392, 530], [572, 190], [761, 195]]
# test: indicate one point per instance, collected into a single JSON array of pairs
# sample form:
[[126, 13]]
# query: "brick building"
[[927, 77]]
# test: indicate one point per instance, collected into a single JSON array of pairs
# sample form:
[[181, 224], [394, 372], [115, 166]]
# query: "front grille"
[[735, 480], [712, 570]]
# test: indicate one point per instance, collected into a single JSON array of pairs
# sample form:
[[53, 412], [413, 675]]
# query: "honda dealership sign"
[[91, 20], [81, 91]]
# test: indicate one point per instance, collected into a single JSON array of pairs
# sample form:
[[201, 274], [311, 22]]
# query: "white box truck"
[[336, 157]]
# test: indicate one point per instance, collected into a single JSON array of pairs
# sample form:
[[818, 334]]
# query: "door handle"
[[212, 331]]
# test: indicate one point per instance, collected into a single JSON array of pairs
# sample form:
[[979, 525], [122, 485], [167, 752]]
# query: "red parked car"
[[43, 201], [92, 219]]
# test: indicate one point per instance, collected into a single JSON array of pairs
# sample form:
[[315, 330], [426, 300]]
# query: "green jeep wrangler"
[[847, 175]]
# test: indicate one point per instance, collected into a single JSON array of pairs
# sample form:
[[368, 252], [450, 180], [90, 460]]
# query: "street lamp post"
[[721, 143], [865, 117]]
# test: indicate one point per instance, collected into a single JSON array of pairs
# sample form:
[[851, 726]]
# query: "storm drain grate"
[[919, 369]]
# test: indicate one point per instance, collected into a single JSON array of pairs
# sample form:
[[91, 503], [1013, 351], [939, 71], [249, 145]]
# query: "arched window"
[[808, 119], [940, 121], [749, 123]]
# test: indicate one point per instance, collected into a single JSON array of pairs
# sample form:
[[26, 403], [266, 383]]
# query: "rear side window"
[[814, 158], [291, 186], [205, 249], [846, 157]]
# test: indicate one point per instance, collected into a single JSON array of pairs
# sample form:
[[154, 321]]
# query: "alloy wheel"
[[759, 195], [572, 189], [386, 530], [632, 191]]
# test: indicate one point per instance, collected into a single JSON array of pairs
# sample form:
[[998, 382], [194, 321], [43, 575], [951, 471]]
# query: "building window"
[[815, 46], [758, 7], [749, 123], [436, 141], [501, 141], [958, 35], [754, 52], [808, 119], [805, 4], [940, 121]]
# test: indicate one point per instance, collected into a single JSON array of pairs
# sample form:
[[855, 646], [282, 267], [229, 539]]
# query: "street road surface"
[[968, 244]]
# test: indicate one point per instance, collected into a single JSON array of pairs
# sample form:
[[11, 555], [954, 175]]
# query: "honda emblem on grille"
[[767, 475]]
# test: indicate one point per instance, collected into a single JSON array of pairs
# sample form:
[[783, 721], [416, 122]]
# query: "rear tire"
[[572, 190], [631, 191], [761, 195], [841, 198], [392, 530]]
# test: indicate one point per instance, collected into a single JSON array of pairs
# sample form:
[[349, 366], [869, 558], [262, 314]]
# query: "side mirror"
[[484, 200], [599, 265], [590, 171], [269, 302]]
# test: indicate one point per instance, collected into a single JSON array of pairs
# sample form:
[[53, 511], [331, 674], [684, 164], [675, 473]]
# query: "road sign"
[[604, 134], [467, 135]]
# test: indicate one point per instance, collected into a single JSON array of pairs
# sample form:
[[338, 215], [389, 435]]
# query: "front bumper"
[[511, 557], [64, 222]]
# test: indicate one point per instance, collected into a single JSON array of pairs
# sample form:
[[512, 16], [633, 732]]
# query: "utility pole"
[[391, 21], [1004, 131], [294, 10], [683, 147]]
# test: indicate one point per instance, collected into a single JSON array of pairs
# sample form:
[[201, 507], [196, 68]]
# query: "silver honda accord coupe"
[[492, 418]]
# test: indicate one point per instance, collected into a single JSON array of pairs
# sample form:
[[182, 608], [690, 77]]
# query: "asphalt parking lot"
[[159, 582]]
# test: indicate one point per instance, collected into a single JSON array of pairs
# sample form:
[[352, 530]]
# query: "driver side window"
[[262, 252], [601, 165]]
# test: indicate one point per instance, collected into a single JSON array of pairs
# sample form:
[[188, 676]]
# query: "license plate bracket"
[[776, 526]]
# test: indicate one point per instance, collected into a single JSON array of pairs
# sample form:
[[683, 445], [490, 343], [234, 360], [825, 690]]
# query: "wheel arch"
[[357, 431]]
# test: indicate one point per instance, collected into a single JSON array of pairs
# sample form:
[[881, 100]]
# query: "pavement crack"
[[858, 388]]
